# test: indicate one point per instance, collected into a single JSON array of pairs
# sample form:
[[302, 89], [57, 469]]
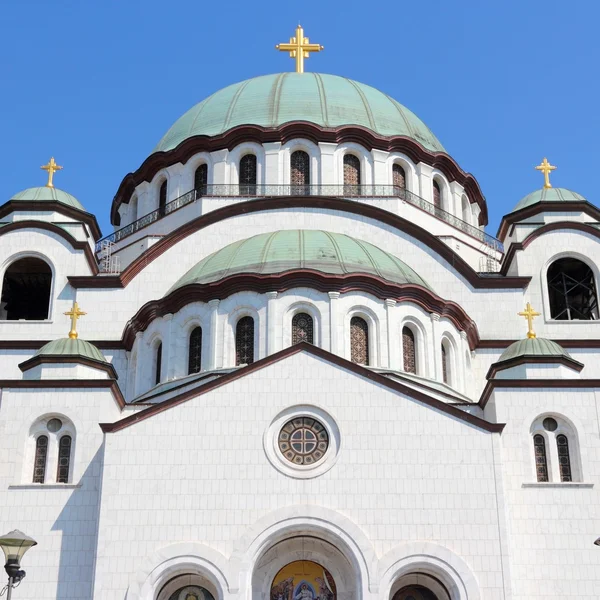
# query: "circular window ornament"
[[303, 441], [550, 424], [54, 425]]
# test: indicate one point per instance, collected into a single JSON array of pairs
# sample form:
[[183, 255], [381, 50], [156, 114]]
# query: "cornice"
[[533, 359], [37, 344], [289, 131], [34, 361], [570, 343]]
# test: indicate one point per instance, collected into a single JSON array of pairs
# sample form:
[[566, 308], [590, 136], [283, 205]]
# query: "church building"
[[299, 368]]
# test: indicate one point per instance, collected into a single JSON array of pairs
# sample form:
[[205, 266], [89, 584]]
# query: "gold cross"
[[51, 167], [529, 314], [546, 168], [74, 313], [299, 48]]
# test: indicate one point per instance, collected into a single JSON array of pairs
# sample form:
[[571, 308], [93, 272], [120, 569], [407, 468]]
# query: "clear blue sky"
[[97, 83]]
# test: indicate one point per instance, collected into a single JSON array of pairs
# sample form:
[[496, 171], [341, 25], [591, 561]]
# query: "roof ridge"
[[365, 103]]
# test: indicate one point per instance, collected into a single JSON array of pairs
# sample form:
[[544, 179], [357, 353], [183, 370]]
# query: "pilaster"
[[456, 192], [139, 361], [392, 329], [169, 350], [328, 167], [425, 175], [334, 346], [273, 174], [435, 347], [272, 345], [213, 362], [220, 166]]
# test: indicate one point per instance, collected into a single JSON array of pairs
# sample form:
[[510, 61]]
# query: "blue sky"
[[501, 84]]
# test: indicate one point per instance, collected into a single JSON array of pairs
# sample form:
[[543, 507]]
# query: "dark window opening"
[[158, 364], [248, 175], [300, 173], [162, 199], [572, 291], [399, 179], [409, 350], [244, 341], [541, 463], [195, 351], [351, 175], [201, 180], [26, 290], [39, 464], [359, 341], [437, 195], [564, 460], [302, 328], [64, 459]]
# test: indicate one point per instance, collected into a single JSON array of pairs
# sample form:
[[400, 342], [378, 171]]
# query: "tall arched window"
[[572, 291], [64, 459], [244, 341], [248, 175], [201, 179], [351, 175], [157, 363], [398, 179], [26, 290], [437, 195], [359, 341], [409, 350], [162, 199], [541, 462], [195, 351], [445, 364], [300, 173], [41, 454], [302, 328], [564, 460]]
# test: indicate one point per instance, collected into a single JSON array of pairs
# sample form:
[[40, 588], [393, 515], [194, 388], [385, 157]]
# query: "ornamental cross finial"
[[529, 314], [74, 313], [299, 48], [546, 168], [51, 167]]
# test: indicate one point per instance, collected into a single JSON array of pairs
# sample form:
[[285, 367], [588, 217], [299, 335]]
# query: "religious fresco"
[[192, 592], [303, 580]]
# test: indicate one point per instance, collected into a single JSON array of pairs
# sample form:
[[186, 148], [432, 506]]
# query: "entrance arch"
[[303, 580], [419, 586]]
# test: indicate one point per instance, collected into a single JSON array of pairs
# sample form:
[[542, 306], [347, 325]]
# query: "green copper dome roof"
[[326, 100], [71, 347], [48, 194], [549, 195], [280, 251], [533, 347]]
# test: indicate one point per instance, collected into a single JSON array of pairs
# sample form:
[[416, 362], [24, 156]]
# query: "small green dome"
[[71, 347], [533, 347], [549, 195], [281, 251], [326, 100], [48, 194]]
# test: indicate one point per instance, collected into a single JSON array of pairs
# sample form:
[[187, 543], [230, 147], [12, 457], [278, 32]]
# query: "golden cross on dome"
[[546, 168], [51, 167], [74, 313], [299, 48], [529, 314]]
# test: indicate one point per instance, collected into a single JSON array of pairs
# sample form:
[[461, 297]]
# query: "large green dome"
[[281, 251], [326, 100]]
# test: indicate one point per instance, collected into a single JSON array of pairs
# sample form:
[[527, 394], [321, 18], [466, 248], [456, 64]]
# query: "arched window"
[[162, 199], [195, 351], [302, 328], [64, 459], [398, 179], [157, 363], [437, 195], [359, 341], [572, 291], [351, 175], [26, 290], [409, 350], [300, 173], [39, 463], [201, 179], [541, 462], [244, 341], [248, 175], [564, 460], [445, 364]]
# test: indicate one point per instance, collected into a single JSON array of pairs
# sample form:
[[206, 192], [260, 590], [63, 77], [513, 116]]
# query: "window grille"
[[162, 198], [300, 172], [195, 351], [564, 460], [41, 454], [244, 341], [572, 291], [158, 364], [302, 328], [398, 176], [541, 463], [437, 195], [445, 369], [359, 341], [64, 459], [351, 175], [248, 175], [201, 179], [409, 350]]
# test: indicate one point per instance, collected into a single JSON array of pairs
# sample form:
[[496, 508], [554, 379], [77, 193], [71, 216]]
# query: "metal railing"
[[337, 191]]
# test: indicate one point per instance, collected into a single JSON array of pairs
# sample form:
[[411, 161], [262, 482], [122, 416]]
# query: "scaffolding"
[[108, 262]]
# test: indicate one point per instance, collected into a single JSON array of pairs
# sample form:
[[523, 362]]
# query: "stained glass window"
[[201, 179], [564, 460], [302, 328], [162, 199], [64, 459], [541, 463], [158, 364], [398, 176], [445, 368], [248, 175], [300, 172], [409, 350], [359, 341], [195, 351], [244, 341], [351, 175], [437, 195], [303, 441], [39, 464]]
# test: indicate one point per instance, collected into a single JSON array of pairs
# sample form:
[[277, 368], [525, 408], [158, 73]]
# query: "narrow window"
[[541, 464], [162, 199], [195, 351], [39, 464], [248, 175], [398, 179], [409, 350], [158, 364], [26, 291], [564, 460], [244, 341], [572, 291], [299, 173], [64, 459], [437, 195], [351, 175], [445, 365], [201, 180], [302, 328], [359, 341]]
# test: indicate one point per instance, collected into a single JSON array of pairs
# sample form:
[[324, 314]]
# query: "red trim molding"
[[289, 131], [320, 353]]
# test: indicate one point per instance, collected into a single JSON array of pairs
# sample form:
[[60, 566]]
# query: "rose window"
[[303, 441]]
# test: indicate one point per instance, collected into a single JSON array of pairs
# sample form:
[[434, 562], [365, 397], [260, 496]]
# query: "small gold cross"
[[546, 168], [529, 314], [299, 48], [51, 167], [74, 313]]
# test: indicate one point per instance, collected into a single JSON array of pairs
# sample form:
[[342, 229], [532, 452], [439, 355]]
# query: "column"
[[273, 174], [425, 175], [146, 202], [176, 188], [380, 172], [169, 361], [334, 346], [435, 347], [392, 331], [213, 362], [220, 167], [140, 360], [271, 328], [462, 362], [455, 207], [328, 175]]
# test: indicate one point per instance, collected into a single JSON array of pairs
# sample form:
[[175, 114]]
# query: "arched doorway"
[[187, 587], [419, 586], [415, 592], [303, 580], [26, 290]]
